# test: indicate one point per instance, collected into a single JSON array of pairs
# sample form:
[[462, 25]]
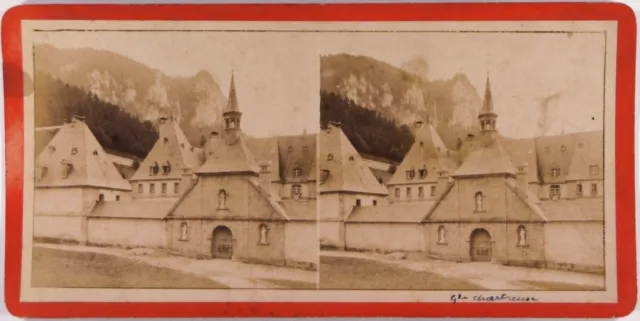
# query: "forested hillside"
[[115, 129], [368, 131]]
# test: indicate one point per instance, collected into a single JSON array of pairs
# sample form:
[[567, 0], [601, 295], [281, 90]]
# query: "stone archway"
[[480, 245], [222, 243]]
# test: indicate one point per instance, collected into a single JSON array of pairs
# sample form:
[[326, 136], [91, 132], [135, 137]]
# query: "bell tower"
[[232, 116], [487, 117]]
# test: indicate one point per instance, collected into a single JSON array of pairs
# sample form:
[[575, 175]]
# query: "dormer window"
[[41, 172], [290, 149], [264, 168], [305, 149], [351, 158], [330, 157], [154, 169], [95, 153], [423, 172], [74, 151], [66, 169], [166, 140], [411, 174], [594, 169], [563, 148], [166, 168], [52, 149], [297, 172], [421, 144], [182, 145], [555, 172]]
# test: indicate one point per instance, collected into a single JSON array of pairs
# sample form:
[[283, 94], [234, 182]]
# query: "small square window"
[[375, 202], [140, 188], [164, 188], [117, 197], [176, 188], [594, 169], [152, 188], [433, 190], [408, 192], [421, 192], [594, 189], [397, 193], [358, 202]]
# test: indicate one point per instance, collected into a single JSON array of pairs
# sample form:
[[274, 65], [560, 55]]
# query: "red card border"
[[625, 171]]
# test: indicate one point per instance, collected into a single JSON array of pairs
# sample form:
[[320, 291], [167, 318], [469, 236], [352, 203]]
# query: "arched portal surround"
[[222, 243], [480, 245]]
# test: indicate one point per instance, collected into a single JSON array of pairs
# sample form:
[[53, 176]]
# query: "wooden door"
[[480, 245], [222, 243]]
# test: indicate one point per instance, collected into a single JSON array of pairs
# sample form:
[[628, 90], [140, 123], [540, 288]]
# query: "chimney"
[[522, 177]]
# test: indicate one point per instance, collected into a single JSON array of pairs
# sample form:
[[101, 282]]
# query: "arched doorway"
[[480, 245], [222, 243]]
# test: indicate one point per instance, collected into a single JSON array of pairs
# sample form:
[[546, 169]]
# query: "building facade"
[[531, 202]]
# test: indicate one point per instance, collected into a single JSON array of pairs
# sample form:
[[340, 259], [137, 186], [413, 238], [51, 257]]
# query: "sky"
[[277, 73]]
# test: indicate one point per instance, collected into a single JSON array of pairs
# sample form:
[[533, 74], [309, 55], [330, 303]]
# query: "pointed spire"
[[487, 104], [232, 103]]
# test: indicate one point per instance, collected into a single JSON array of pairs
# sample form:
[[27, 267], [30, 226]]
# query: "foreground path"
[[490, 276], [230, 273]]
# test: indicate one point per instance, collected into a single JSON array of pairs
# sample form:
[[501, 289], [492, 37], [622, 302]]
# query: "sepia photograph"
[[201, 161], [463, 161], [158, 164]]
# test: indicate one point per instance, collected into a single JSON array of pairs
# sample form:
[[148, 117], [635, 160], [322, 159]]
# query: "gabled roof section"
[[267, 154], [529, 199], [589, 151], [555, 152], [223, 158], [75, 158], [523, 152], [576, 210], [342, 168], [297, 152], [487, 160], [172, 148], [428, 152]]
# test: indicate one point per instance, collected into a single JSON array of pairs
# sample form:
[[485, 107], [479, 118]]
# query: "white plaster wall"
[[127, 232], [575, 243], [58, 201], [331, 233], [404, 237], [68, 228], [301, 242]]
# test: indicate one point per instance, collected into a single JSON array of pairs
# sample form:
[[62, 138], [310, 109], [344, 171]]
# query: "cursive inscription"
[[491, 298]]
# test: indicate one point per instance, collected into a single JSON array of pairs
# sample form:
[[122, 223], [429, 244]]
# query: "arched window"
[[522, 235], [264, 234], [222, 199], [184, 231], [554, 192], [296, 192], [555, 172], [479, 202], [442, 235]]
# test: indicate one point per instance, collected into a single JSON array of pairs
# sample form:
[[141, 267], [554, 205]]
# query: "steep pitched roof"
[[428, 152], [232, 103], [554, 152], [223, 158], [267, 153], [487, 160], [589, 151], [173, 148], [74, 148], [523, 152], [297, 152], [487, 104], [341, 166]]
